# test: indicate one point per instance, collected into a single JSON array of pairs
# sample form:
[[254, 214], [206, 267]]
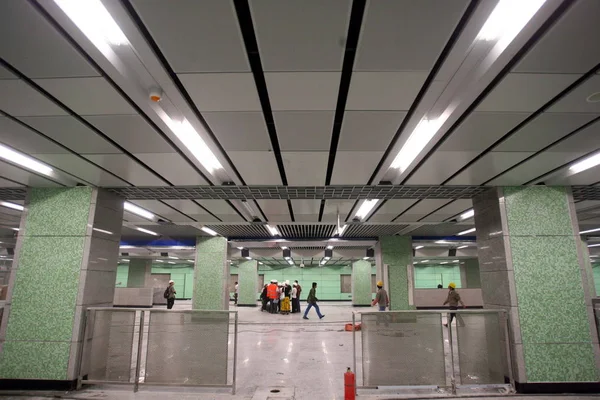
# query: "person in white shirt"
[[235, 295], [295, 299]]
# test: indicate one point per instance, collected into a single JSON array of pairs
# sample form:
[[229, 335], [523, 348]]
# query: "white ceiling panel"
[[585, 140], [6, 183], [6, 74], [256, 167], [126, 168], [525, 92], [239, 131], [222, 92], [305, 168], [131, 132], [384, 90], [304, 130], [369, 130], [439, 230], [21, 138], [487, 167], [275, 210], [452, 209], [390, 210], [221, 209], [196, 36], [543, 130], [421, 209], [81, 168], [575, 101], [306, 210], [354, 167], [332, 207], [173, 167], [161, 209], [535, 167], [25, 101], [586, 177], [303, 91], [301, 36], [480, 130], [188, 207], [34, 47], [405, 35], [440, 166], [87, 96], [24, 177], [72, 134], [566, 48]]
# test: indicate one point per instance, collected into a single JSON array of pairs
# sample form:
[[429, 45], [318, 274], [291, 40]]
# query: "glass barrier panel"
[[402, 349]]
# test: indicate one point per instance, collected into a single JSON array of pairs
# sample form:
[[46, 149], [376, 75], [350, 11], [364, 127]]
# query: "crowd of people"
[[283, 298]]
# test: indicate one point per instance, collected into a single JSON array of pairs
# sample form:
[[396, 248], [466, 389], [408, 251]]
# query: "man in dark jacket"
[[264, 299], [312, 302], [171, 295]]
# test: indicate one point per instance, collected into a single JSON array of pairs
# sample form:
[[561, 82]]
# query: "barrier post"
[[354, 350], [138, 363], [452, 377], [81, 349], [235, 345]]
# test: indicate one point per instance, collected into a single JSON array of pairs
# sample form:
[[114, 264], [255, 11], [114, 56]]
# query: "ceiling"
[[299, 98]]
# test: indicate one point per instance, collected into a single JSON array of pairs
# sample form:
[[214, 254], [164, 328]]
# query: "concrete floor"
[[303, 360]]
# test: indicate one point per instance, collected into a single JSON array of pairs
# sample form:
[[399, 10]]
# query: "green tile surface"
[[45, 291], [396, 251], [34, 360], [361, 283], [572, 362], [58, 211], [248, 282], [211, 255]]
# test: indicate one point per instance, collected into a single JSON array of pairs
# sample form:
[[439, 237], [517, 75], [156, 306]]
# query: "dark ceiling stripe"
[[354, 26], [436, 210], [574, 132], [404, 212], [13, 181], [244, 15], [179, 211], [497, 79], [583, 157], [80, 119], [128, 99]]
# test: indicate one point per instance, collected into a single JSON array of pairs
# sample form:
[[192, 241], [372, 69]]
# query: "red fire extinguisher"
[[349, 385]]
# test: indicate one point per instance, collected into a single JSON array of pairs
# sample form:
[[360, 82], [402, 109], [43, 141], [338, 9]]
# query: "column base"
[[247, 305], [38, 384], [361, 305], [557, 387]]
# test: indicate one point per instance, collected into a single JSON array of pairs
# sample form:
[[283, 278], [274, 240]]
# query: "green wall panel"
[[122, 275], [210, 273], [396, 251], [248, 282], [429, 276], [578, 364], [361, 283], [34, 360]]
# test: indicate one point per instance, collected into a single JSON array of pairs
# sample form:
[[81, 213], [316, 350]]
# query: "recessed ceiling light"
[[508, 18], [273, 230], [209, 231], [330, 247], [467, 215], [418, 139], [14, 206], [589, 231], [593, 98], [147, 231], [125, 260], [186, 133], [171, 262], [366, 208], [419, 247], [103, 231], [240, 248], [174, 258], [593, 245], [444, 262], [584, 164], [132, 208], [24, 161], [465, 232], [284, 247], [462, 247]]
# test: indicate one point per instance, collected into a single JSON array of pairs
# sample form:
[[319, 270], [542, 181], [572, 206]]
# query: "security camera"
[[301, 265]]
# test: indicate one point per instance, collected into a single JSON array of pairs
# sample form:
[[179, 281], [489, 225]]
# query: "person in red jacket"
[[272, 296]]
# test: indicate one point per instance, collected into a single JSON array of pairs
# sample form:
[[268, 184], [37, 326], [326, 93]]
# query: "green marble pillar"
[[397, 253], [361, 283], [211, 274], [139, 273], [248, 283], [531, 265], [65, 261]]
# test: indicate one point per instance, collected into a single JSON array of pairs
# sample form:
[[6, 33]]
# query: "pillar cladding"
[[65, 261], [139, 272], [532, 265], [211, 274], [397, 253], [248, 283], [361, 283]]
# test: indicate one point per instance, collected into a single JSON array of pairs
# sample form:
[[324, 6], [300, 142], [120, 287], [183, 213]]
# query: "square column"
[[532, 265], [65, 261], [248, 283], [211, 274], [138, 275], [361, 283], [396, 252]]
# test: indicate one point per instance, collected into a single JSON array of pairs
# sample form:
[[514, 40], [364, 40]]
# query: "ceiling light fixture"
[[587, 163], [209, 231], [419, 247], [159, 261], [291, 262], [444, 262], [424, 261], [462, 247], [330, 247], [248, 258], [147, 231], [366, 258], [127, 246], [455, 261], [589, 231], [508, 18], [171, 262], [284, 247], [273, 230], [125, 260], [186, 133], [467, 215], [15, 229], [14, 206], [102, 231], [190, 261], [593, 245], [174, 258], [465, 232], [240, 248], [366, 208], [95, 21], [132, 208], [423, 133], [341, 229], [24, 161]]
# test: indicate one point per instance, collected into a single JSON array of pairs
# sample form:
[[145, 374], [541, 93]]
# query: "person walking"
[[381, 298], [312, 302], [170, 295], [453, 300], [236, 293]]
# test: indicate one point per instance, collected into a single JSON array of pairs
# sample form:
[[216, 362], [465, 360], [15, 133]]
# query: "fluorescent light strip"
[[186, 133], [444, 262], [171, 262], [366, 208], [419, 247], [423, 133], [467, 215], [125, 260], [132, 208], [14, 206], [103, 231], [159, 261], [174, 258], [465, 232], [508, 19], [273, 230], [15, 229], [284, 247], [462, 247], [240, 248], [593, 245], [248, 258], [455, 261], [95, 21], [366, 258], [588, 163], [147, 231], [24, 161], [589, 231], [341, 229], [330, 247], [209, 231]]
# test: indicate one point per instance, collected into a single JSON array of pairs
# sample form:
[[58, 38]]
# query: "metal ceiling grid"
[[244, 231], [307, 231], [363, 230]]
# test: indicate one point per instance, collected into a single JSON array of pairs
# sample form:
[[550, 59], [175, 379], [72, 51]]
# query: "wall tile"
[[537, 210], [99, 287], [109, 220], [492, 254], [58, 211], [103, 255], [34, 360], [210, 274], [572, 362], [495, 288], [396, 251], [248, 282], [361, 283]]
